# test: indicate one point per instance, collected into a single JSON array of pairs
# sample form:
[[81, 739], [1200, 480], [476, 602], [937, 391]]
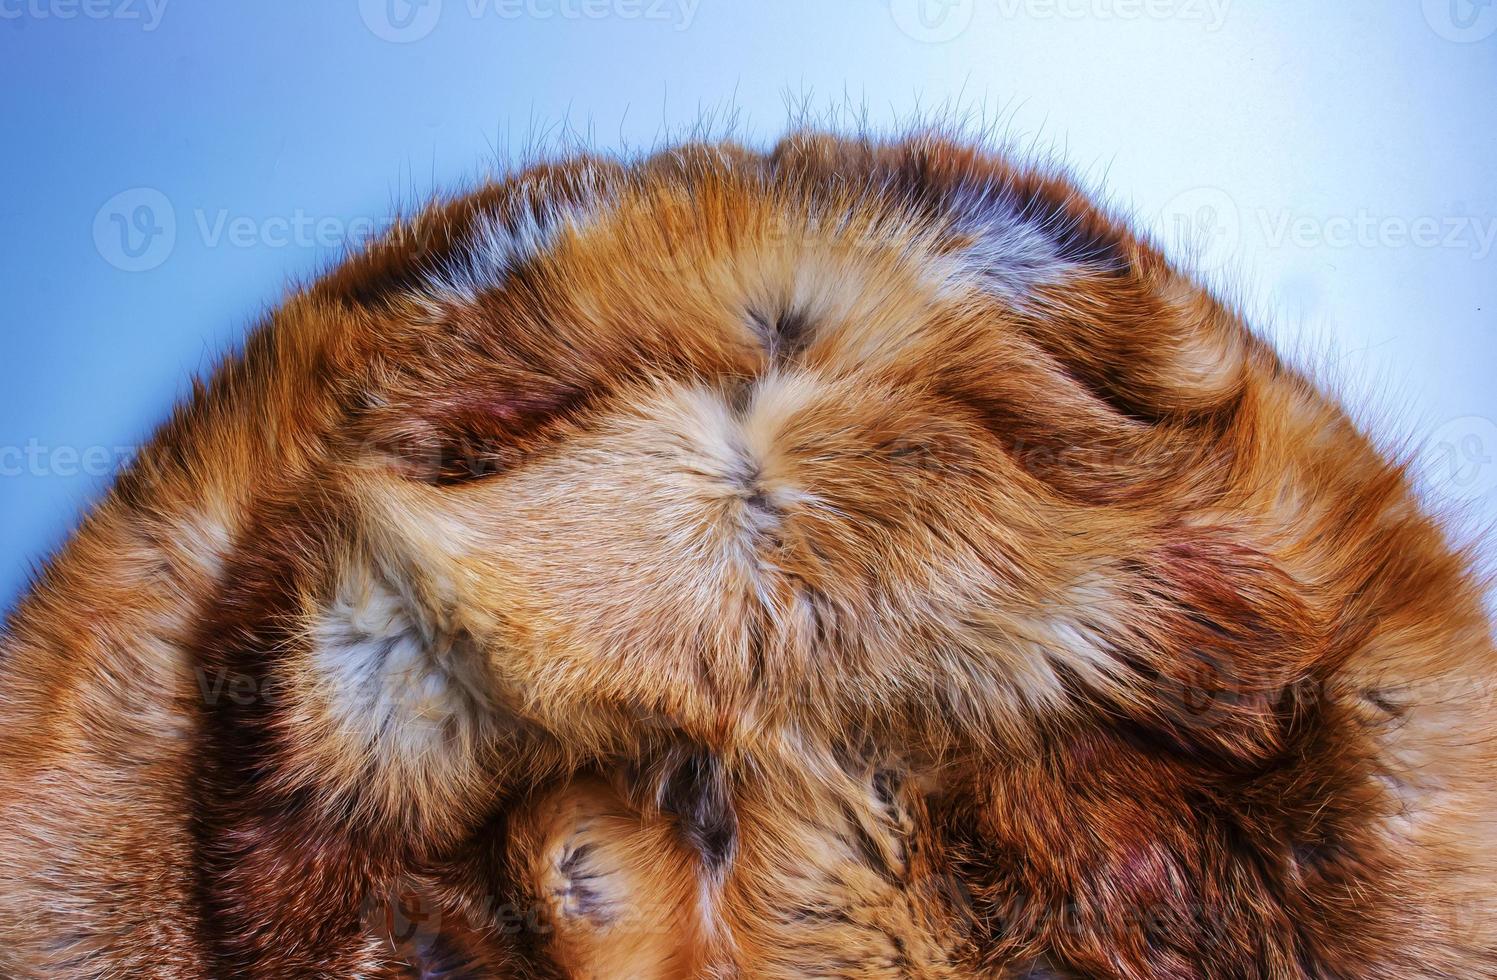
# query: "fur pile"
[[860, 560]]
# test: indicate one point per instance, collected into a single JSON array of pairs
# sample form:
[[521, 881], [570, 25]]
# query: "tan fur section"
[[618, 889]]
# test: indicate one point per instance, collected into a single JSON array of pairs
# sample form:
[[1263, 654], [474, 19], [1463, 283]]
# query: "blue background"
[[170, 168]]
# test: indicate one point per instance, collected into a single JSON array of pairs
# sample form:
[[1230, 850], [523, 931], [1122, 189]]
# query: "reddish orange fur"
[[861, 560]]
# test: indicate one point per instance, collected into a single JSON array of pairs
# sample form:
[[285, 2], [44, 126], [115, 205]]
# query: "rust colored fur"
[[864, 559]]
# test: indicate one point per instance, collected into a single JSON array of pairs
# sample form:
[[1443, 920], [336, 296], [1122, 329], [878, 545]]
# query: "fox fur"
[[862, 559]]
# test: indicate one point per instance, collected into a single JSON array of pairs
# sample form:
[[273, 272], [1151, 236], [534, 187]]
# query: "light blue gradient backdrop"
[[1334, 164]]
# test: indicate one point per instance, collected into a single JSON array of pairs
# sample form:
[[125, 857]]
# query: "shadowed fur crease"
[[862, 559]]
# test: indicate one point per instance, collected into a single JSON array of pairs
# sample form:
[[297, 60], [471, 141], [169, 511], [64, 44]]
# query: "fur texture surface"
[[862, 559]]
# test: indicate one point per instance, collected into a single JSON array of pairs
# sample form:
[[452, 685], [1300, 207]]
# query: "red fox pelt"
[[862, 559]]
